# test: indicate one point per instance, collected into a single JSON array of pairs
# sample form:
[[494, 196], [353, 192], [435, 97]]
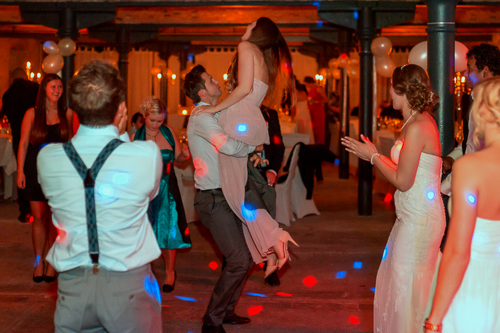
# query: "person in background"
[[166, 211], [48, 122], [316, 101], [20, 96], [109, 287], [302, 114], [136, 123], [467, 297]]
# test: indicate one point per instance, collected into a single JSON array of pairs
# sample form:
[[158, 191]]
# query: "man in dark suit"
[[20, 96], [273, 152]]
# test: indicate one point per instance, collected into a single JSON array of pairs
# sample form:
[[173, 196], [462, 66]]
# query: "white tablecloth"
[[8, 165]]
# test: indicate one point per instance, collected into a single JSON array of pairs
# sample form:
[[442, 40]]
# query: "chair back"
[[292, 170]]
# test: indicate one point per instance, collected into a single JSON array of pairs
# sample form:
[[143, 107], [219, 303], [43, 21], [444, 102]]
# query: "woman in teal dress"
[[166, 211]]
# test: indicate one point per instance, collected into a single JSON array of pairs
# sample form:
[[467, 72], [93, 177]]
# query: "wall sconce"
[[158, 76], [225, 76]]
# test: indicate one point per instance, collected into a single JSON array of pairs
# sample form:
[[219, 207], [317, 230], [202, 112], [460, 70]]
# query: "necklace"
[[407, 120], [153, 136]]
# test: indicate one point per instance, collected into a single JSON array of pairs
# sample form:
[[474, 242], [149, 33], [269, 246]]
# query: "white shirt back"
[[128, 180]]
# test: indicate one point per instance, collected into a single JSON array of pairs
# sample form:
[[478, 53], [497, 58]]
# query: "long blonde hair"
[[268, 38], [486, 93]]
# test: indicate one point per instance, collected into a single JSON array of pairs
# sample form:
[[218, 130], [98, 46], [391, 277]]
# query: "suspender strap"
[[89, 176]]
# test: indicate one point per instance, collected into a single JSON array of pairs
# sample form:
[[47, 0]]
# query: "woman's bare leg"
[[39, 234], [169, 260]]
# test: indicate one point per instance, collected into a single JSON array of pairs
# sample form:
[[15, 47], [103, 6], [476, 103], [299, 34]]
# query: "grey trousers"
[[227, 231], [108, 301]]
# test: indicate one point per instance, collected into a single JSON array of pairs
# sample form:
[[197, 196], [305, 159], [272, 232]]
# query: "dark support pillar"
[[123, 49], [67, 29], [366, 31], [344, 45], [441, 66]]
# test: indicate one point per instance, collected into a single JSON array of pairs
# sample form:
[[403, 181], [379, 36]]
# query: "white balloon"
[[381, 46], [53, 63], [336, 74], [343, 61], [353, 71], [333, 63], [67, 47], [460, 57], [418, 55], [385, 66], [50, 47]]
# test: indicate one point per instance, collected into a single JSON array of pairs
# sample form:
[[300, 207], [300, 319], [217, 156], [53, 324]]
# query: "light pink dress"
[[243, 121]]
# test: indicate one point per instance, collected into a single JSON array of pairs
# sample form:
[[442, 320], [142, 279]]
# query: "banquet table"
[[8, 164]]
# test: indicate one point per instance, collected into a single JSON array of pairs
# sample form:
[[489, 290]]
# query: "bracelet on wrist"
[[432, 327], [375, 154]]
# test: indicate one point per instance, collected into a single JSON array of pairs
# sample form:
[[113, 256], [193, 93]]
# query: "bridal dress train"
[[410, 257], [476, 305]]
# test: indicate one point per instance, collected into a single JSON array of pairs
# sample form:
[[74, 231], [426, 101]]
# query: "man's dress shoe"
[[234, 319], [212, 329]]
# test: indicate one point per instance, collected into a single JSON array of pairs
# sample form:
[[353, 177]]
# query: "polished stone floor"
[[327, 287]]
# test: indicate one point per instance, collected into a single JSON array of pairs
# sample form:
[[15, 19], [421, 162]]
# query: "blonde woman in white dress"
[[467, 298]]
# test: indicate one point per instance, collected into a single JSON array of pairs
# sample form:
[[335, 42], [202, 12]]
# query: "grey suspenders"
[[88, 176]]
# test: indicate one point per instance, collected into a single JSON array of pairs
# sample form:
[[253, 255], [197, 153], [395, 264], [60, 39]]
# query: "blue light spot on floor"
[[385, 253], [106, 191], [471, 198], [121, 178], [241, 128], [337, 161], [256, 295], [152, 288], [248, 211], [341, 275], [358, 265], [431, 194], [372, 289], [187, 299]]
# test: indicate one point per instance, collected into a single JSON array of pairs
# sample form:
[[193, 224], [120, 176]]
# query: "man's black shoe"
[[212, 329], [273, 279], [24, 218], [234, 319]]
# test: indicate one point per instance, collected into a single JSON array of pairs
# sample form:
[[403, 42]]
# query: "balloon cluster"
[[54, 61], [381, 48], [351, 64], [418, 56]]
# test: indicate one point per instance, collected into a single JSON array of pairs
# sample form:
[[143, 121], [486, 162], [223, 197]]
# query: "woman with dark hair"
[[262, 60], [166, 211], [49, 121], [410, 257]]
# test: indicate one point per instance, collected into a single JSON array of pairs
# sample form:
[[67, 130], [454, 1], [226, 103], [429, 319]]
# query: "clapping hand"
[[203, 109], [362, 150]]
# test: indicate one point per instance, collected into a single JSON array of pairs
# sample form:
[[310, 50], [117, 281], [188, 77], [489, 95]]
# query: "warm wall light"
[[225, 77], [159, 76], [184, 112], [32, 75], [28, 65]]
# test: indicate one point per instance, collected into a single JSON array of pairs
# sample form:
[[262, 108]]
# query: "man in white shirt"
[[206, 141], [112, 289]]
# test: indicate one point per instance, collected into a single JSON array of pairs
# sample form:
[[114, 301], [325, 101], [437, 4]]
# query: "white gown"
[[410, 257], [476, 306]]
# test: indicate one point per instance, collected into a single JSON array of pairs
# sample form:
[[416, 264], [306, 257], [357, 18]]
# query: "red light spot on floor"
[[309, 281], [186, 232], [388, 198], [200, 167], [213, 265], [261, 265], [255, 310], [276, 140], [284, 294], [354, 320]]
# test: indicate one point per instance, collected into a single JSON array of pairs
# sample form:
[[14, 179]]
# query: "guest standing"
[[302, 114], [316, 101], [409, 261], [467, 297], [20, 96], [166, 212], [49, 121]]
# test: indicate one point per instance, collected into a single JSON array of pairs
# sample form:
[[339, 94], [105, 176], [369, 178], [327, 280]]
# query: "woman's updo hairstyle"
[[412, 81], [152, 105], [486, 93]]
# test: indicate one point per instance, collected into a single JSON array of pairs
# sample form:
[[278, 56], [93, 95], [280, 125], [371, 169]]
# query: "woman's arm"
[[457, 251], [246, 53], [181, 153], [23, 146], [69, 116], [403, 176]]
